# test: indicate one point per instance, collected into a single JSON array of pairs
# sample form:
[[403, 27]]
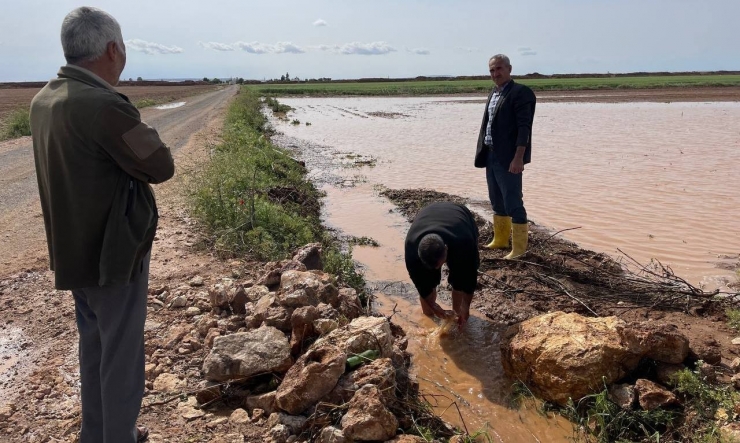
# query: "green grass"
[[277, 107], [341, 264], [437, 87], [17, 124], [733, 318], [605, 422], [252, 197]]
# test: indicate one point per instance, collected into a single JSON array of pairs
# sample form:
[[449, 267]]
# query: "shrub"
[[18, 124]]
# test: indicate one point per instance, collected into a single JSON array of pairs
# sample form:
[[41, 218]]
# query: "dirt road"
[[23, 242], [39, 375]]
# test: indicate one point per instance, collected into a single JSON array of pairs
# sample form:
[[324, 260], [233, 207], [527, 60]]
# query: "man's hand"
[[429, 306], [516, 166], [461, 305]]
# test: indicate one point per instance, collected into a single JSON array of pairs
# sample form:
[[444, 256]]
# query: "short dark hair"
[[431, 250]]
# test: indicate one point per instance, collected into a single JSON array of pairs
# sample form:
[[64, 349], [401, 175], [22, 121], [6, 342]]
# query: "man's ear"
[[112, 50]]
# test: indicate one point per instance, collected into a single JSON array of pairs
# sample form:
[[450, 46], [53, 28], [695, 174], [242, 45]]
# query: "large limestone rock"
[[313, 376], [367, 418], [361, 334], [561, 356], [247, 353]]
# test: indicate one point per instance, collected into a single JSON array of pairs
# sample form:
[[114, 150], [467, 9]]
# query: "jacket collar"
[[85, 76]]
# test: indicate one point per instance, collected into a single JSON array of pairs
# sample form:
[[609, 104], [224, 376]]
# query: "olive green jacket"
[[94, 161]]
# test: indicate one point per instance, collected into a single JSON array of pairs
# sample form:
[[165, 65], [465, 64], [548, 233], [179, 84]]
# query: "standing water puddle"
[[170, 105], [655, 180]]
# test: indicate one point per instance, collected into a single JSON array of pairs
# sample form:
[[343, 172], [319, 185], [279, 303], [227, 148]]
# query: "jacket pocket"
[[130, 197]]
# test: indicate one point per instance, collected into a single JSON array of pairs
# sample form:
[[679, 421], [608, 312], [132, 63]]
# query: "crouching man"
[[442, 233]]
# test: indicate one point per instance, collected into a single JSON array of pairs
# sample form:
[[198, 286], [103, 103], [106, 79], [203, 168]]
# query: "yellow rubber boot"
[[501, 230], [519, 236]]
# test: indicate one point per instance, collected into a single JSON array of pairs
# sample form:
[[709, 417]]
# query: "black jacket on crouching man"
[[456, 225]]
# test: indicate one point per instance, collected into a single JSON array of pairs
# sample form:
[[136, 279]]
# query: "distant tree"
[[282, 78], [239, 81], [139, 79], [205, 79], [287, 77], [296, 79]]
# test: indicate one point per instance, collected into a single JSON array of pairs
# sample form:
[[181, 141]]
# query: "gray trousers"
[[110, 321]]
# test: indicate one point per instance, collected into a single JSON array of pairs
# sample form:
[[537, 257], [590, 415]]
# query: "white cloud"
[[320, 23], [524, 49], [374, 48], [526, 52], [216, 46], [466, 49], [151, 48], [265, 48], [420, 51]]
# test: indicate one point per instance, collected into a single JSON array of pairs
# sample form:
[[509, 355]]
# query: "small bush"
[[18, 124], [145, 103], [277, 107]]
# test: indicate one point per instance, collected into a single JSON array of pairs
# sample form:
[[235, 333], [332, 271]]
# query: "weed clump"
[[18, 124]]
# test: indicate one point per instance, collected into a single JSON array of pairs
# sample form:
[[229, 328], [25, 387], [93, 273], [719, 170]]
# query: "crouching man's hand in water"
[[461, 306], [429, 306]]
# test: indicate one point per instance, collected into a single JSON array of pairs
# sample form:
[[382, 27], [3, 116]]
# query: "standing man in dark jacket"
[[95, 159], [504, 147]]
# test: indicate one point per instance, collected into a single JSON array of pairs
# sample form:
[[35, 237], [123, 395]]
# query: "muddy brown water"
[[656, 180]]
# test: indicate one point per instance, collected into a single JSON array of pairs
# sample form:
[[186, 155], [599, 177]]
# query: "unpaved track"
[[22, 241]]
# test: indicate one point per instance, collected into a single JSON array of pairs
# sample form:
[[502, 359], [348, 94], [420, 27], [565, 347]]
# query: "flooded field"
[[653, 180]]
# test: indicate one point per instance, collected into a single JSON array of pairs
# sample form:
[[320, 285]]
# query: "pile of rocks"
[[284, 351]]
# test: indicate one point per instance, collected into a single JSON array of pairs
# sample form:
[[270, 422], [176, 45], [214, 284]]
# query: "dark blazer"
[[512, 125]]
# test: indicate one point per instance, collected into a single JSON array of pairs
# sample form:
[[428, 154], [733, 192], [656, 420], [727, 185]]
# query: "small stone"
[[330, 434], [168, 383], [239, 417], [736, 381], [623, 395], [258, 414], [192, 311], [196, 281], [179, 302], [279, 434], [736, 341], [735, 364], [215, 423]]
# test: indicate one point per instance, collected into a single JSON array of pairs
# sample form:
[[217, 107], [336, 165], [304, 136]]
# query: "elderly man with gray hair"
[[95, 159], [504, 147]]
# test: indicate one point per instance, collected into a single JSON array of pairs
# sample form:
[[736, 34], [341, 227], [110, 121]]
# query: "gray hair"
[[86, 32], [501, 57]]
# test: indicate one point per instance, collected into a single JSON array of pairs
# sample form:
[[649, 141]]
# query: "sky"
[[383, 38]]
